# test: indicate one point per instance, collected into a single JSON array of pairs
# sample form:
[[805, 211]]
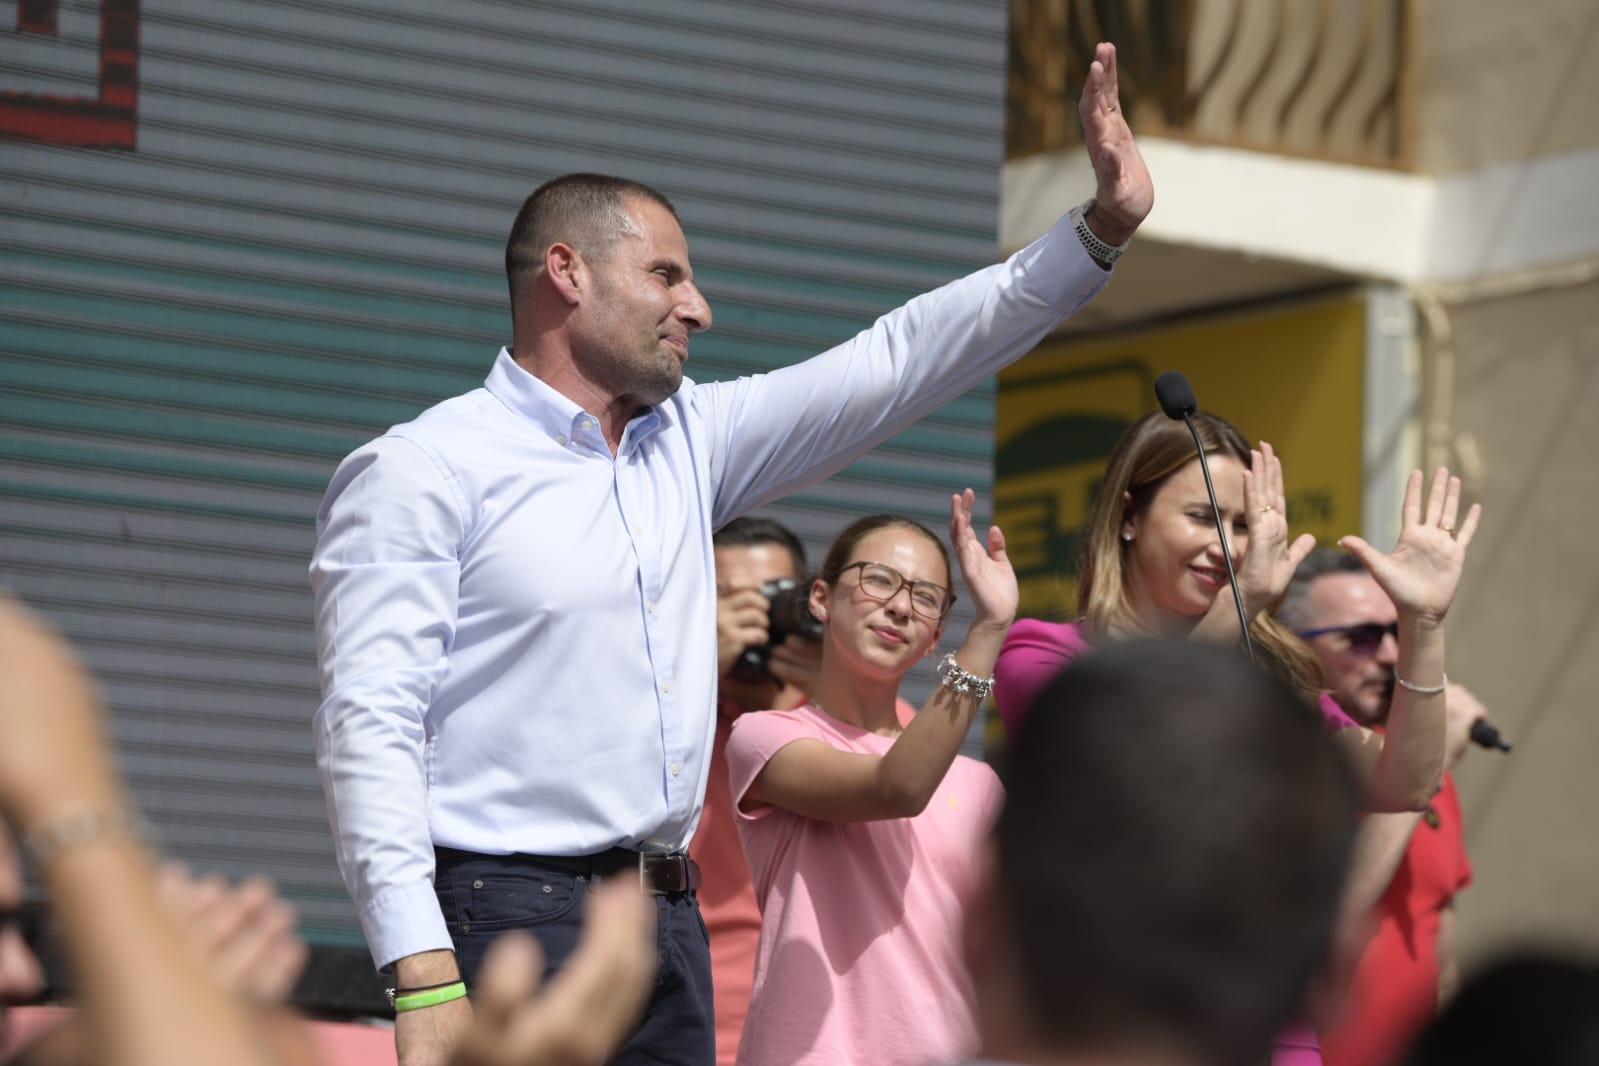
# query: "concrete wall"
[[1524, 633], [1503, 82], [1501, 85]]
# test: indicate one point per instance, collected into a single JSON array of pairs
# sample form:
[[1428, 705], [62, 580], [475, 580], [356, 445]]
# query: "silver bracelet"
[[1421, 690], [964, 682], [1098, 249], [74, 829]]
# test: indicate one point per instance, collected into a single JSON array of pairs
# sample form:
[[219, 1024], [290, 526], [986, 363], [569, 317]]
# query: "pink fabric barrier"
[[341, 1043]]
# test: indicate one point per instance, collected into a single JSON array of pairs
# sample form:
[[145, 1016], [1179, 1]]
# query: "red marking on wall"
[[108, 120]]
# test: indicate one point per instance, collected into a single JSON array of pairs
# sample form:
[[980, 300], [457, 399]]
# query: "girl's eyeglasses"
[[882, 583]]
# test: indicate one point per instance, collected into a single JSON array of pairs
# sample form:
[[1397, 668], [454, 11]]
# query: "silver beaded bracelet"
[[1421, 690], [76, 828], [964, 682]]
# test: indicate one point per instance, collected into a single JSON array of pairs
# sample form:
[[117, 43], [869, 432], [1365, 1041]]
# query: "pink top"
[[859, 960], [1035, 651], [727, 895]]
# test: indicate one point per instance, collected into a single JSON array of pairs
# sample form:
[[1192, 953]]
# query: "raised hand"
[[1125, 192], [587, 1010], [1422, 573], [244, 932], [1269, 559], [985, 569]]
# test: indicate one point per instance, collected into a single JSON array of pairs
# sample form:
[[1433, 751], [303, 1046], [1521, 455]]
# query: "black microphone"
[[1485, 735], [1176, 398]]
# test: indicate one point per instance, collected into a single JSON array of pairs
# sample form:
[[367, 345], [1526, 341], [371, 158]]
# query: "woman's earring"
[[1128, 537]]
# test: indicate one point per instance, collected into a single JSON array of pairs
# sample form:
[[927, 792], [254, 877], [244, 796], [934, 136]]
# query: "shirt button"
[[676, 769], [666, 686], [651, 606], [561, 440], [587, 424]]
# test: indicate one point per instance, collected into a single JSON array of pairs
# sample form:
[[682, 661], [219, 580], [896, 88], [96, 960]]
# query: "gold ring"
[[1267, 509]]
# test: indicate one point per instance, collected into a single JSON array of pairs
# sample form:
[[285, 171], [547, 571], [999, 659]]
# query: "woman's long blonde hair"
[[1148, 453]]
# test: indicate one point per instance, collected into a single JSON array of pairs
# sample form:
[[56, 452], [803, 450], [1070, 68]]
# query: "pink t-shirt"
[[1035, 651], [859, 960], [727, 895]]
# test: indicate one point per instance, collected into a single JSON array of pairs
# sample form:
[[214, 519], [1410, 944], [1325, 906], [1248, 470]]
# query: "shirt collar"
[[557, 416]]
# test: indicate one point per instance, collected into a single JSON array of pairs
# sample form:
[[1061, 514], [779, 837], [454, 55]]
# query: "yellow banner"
[[1291, 375]]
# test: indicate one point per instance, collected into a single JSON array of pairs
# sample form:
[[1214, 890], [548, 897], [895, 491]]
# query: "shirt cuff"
[[1059, 269], [404, 920]]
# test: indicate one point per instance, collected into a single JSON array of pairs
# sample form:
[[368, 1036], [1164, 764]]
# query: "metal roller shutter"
[[304, 247]]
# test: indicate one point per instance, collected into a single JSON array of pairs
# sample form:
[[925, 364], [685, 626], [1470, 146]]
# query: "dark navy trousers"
[[484, 895]]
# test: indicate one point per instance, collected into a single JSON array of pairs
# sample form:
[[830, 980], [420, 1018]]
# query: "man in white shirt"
[[516, 595]]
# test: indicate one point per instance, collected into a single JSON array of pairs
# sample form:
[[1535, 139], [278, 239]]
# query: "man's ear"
[[567, 272]]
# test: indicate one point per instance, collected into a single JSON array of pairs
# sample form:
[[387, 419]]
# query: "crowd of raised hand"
[[171, 969]]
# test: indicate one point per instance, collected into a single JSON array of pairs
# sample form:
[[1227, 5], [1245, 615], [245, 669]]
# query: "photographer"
[[767, 658]]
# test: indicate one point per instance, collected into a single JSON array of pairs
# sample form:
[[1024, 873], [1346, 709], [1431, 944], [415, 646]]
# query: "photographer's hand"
[[797, 663], [741, 622]]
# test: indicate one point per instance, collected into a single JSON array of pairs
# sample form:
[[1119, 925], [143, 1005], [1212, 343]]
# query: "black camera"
[[789, 613]]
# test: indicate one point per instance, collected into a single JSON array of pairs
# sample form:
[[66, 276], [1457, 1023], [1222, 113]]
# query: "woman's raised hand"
[[1422, 573], [1269, 560], [985, 569]]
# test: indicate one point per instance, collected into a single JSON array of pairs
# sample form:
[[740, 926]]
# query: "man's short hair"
[[587, 211], [1295, 612], [1171, 852], [750, 530]]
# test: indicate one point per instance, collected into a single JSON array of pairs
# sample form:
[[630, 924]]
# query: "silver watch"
[[1105, 253]]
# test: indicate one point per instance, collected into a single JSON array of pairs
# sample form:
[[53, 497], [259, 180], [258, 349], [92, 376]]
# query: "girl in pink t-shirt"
[[1151, 563], [861, 833]]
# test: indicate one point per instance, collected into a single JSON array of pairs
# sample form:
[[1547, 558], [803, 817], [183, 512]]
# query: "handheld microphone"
[[1485, 735], [1176, 398]]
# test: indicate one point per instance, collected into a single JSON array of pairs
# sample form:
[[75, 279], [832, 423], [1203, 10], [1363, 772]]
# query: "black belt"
[[660, 873]]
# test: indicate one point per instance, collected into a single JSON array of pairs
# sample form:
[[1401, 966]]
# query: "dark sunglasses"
[[1365, 638]]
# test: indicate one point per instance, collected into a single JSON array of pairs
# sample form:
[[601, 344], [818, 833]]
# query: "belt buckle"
[[645, 861]]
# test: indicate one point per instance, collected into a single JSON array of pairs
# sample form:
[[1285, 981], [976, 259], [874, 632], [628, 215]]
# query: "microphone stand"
[[1226, 545]]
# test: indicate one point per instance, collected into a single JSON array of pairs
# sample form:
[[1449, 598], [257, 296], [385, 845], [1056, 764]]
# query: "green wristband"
[[431, 998]]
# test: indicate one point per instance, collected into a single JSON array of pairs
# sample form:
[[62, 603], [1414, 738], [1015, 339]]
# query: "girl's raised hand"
[[1269, 559], [1422, 573], [985, 569]]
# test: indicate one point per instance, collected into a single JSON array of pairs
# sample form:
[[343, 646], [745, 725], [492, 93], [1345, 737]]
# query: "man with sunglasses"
[[1406, 868]]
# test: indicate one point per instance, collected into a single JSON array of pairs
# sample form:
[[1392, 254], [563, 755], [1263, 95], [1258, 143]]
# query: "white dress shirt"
[[517, 630]]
